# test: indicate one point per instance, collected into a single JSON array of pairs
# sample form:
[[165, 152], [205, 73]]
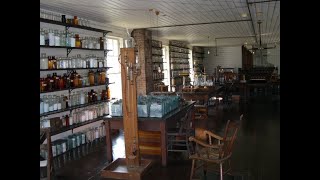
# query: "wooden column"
[[129, 108], [132, 167]]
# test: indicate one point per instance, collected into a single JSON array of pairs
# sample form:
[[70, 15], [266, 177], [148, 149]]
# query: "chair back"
[[186, 121], [228, 139]]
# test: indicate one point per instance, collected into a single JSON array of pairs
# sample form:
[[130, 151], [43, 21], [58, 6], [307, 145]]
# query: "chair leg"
[[221, 172], [192, 169], [205, 168]]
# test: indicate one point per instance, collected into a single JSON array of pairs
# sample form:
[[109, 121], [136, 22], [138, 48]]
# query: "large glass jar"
[[43, 61], [73, 62], [85, 42]]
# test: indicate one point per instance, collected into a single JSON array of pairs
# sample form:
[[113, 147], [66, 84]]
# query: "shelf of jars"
[[68, 108], [71, 69], [72, 88], [67, 47], [61, 23]]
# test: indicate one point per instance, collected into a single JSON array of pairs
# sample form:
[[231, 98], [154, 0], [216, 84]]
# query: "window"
[[114, 73]]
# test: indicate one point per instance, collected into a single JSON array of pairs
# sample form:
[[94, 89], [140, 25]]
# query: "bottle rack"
[[157, 64], [179, 64], [68, 51], [198, 56]]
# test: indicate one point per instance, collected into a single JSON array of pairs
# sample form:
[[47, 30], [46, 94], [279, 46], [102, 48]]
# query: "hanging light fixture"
[[208, 45]]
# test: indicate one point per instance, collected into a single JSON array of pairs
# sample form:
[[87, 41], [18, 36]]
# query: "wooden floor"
[[256, 155]]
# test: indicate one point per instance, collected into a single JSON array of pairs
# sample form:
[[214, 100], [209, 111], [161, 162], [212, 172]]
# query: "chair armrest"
[[191, 138], [213, 135]]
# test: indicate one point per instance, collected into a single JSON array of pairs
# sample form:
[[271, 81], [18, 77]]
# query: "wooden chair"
[[45, 134], [177, 138], [217, 150]]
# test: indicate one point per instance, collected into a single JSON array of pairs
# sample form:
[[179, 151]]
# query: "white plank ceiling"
[[173, 13]]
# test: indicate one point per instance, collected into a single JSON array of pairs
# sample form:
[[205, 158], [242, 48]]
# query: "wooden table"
[[148, 124]]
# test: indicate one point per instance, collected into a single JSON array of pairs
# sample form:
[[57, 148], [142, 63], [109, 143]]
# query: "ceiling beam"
[[196, 24], [254, 31], [262, 1]]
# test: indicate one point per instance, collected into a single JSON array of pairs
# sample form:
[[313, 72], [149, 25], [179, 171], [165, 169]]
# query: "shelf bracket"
[[68, 51]]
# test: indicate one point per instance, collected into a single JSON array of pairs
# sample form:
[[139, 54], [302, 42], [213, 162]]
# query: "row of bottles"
[[54, 62], [73, 80], [86, 136], [78, 116], [157, 76], [54, 37], [50, 103]]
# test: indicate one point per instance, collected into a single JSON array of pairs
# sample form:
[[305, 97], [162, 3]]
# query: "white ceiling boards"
[[188, 20]]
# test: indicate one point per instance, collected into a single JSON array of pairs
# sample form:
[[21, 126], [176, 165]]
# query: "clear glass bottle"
[[73, 62], [59, 104], [90, 42], [41, 106], [62, 38], [79, 61], [62, 102], [68, 40], [45, 104], [72, 40], [42, 37], [56, 38], [50, 103], [43, 61], [55, 102], [51, 37]]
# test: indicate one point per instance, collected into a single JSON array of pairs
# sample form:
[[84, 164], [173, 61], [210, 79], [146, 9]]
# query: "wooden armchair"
[[45, 134], [217, 150]]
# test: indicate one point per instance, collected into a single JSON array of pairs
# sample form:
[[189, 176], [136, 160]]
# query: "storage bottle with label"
[[43, 61]]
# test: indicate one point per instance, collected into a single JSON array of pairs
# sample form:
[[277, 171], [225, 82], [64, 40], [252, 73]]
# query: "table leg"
[[164, 151], [108, 141]]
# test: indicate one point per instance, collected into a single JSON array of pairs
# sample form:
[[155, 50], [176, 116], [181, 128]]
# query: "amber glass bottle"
[[78, 42], [108, 93], [91, 78], [49, 62], [76, 80]]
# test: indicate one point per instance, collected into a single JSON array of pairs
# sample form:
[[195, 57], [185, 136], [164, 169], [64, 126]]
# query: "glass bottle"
[[97, 40], [50, 103], [72, 40], [42, 37], [54, 62], [73, 62], [62, 38], [41, 106], [108, 93], [49, 83], [46, 37], [56, 38], [75, 20], [84, 42], [55, 102], [91, 78], [51, 37], [82, 97], [90, 43], [43, 61], [45, 104], [78, 42], [58, 102], [79, 61], [50, 62], [62, 101], [75, 80], [103, 77], [68, 40]]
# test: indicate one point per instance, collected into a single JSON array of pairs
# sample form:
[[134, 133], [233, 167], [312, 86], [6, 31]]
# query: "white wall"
[[228, 57]]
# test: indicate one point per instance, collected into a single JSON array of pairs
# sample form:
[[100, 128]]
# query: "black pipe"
[[219, 22], [262, 1], [259, 23], [254, 31], [235, 37]]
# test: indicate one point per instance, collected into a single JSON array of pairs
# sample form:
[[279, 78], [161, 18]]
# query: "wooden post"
[[129, 107]]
